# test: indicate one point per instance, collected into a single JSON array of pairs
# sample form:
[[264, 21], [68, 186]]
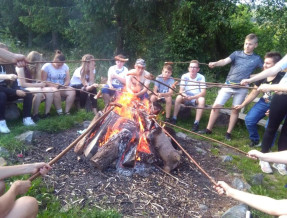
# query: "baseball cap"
[[140, 62]]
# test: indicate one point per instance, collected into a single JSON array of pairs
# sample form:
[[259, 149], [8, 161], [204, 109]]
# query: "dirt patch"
[[188, 194]]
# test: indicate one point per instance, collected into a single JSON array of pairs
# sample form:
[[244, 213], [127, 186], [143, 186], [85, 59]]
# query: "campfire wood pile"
[[129, 140]]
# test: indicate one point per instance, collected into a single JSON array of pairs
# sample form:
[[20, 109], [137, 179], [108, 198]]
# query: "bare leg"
[[199, 112], [106, 98], [57, 100], [36, 102], [213, 116], [69, 100], [153, 98], [24, 207], [177, 104], [95, 111], [233, 119], [168, 105], [49, 98]]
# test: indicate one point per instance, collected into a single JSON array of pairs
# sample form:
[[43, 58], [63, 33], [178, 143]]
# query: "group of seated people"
[[55, 79]]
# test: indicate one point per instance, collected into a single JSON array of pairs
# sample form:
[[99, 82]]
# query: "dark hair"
[[168, 67], [59, 56], [276, 56], [252, 36]]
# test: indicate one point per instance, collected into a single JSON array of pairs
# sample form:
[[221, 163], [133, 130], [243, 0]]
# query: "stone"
[[12, 111], [200, 150], [181, 135], [238, 211], [226, 158], [26, 137], [203, 208], [3, 162], [257, 179], [86, 124], [240, 185]]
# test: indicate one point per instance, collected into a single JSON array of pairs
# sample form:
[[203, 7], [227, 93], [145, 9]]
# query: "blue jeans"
[[256, 113]]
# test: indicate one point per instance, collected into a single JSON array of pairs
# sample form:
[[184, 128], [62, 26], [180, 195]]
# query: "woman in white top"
[[83, 78], [58, 77], [28, 79]]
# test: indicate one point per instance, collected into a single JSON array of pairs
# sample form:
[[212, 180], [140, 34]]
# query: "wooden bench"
[[242, 115]]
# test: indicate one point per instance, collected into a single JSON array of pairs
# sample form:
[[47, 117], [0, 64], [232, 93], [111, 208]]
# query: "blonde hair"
[[34, 68], [85, 66], [252, 36]]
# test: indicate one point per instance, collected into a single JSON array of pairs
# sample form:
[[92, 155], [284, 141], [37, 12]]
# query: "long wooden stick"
[[182, 62], [187, 154], [55, 159], [210, 139]]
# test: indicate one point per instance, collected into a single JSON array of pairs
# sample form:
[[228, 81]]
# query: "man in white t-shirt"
[[193, 89]]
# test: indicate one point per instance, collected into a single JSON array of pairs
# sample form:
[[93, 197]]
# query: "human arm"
[[274, 87], [12, 77], [220, 63], [22, 80], [252, 95], [67, 78], [265, 204], [201, 94], [9, 57], [7, 200], [277, 157], [16, 170]]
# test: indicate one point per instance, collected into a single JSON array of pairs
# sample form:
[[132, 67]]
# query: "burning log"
[[162, 144]]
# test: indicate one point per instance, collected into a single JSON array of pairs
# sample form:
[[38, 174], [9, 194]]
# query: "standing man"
[[243, 63], [192, 87], [116, 78], [258, 111]]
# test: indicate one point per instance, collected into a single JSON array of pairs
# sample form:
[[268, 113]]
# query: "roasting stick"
[[182, 62], [211, 139], [55, 159], [184, 151], [67, 61]]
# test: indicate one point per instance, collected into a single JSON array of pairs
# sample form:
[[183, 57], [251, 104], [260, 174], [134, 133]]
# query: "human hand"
[[12, 77], [20, 93], [222, 188], [267, 113], [21, 187], [21, 60], [42, 167], [245, 82], [212, 64], [254, 154], [238, 107]]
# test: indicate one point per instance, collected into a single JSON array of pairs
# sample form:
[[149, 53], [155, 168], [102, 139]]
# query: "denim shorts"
[[106, 89], [224, 94]]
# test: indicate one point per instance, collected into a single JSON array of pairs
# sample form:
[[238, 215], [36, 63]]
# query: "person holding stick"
[[25, 206], [193, 93], [116, 78], [11, 92], [243, 63], [258, 111], [164, 93], [57, 76], [136, 80], [29, 78], [277, 113], [265, 204], [84, 78]]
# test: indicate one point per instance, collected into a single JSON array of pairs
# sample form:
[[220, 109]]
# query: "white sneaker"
[[281, 168], [3, 127], [27, 121], [265, 167]]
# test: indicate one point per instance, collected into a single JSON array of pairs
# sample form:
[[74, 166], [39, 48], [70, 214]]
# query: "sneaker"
[[265, 167], [195, 127], [44, 116], [206, 131], [167, 120], [36, 118], [173, 121], [254, 143], [27, 121], [3, 127], [281, 168], [228, 136]]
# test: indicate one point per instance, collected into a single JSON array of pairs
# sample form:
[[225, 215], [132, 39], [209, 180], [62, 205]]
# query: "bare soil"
[[188, 193]]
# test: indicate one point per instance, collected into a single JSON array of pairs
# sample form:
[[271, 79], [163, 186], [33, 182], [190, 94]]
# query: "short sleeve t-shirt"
[[56, 75], [242, 65], [76, 78], [192, 86], [162, 88], [121, 72]]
